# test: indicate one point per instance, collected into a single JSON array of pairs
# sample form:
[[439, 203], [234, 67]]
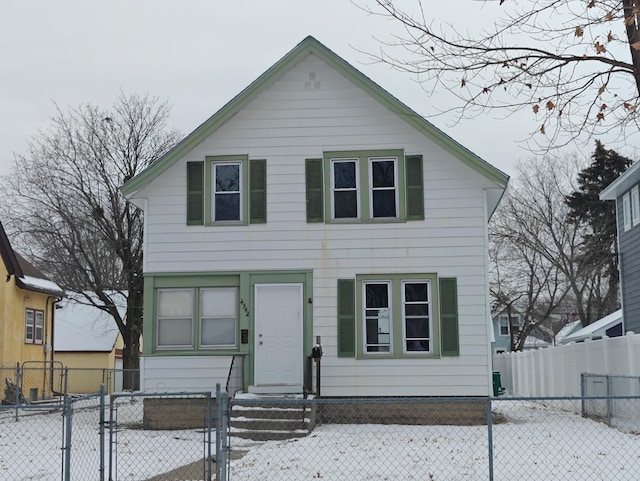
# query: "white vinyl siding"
[[287, 124]]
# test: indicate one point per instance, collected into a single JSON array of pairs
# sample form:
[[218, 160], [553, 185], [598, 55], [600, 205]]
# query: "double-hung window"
[[626, 211], [377, 316], [226, 198], [383, 179], [397, 315], [365, 186], [635, 206], [345, 191], [416, 305], [504, 326], [218, 317], [204, 317], [34, 326]]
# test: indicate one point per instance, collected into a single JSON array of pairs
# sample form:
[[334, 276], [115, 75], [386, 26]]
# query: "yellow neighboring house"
[[27, 310], [89, 344]]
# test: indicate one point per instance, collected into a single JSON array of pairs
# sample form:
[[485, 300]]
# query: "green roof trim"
[[311, 46]]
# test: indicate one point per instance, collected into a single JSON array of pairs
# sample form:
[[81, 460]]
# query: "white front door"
[[278, 337]]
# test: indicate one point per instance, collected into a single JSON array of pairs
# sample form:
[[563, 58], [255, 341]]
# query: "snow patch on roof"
[[40, 284], [595, 329]]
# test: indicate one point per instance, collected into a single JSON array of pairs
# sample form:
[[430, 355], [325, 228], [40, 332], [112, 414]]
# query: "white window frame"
[[158, 320], [505, 320], [202, 317], [429, 314], [345, 160], [34, 326], [626, 211], [395, 188], [635, 206], [365, 344], [239, 192]]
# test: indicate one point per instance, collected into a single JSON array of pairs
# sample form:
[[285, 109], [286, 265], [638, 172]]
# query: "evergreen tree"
[[599, 247]]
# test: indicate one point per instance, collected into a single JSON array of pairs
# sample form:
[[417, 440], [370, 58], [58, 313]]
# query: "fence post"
[[219, 428], [68, 411], [111, 423], [102, 432], [609, 381], [208, 417], [582, 393], [490, 438]]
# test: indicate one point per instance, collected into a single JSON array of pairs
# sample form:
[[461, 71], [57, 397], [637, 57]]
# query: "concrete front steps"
[[272, 417]]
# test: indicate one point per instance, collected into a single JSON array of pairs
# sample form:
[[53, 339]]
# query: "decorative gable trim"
[[311, 46]]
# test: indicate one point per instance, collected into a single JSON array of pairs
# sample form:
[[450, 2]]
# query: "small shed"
[[610, 326]]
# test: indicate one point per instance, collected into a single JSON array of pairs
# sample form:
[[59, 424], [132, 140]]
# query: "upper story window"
[[383, 195], [365, 186], [505, 325], [344, 182], [227, 190], [34, 326], [226, 198]]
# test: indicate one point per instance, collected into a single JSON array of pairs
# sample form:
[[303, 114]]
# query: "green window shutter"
[[346, 318], [315, 197], [258, 192], [450, 345], [195, 193], [415, 187]]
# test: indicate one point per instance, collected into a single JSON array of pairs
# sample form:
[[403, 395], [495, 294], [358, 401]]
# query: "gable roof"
[[27, 276], [623, 183], [595, 329], [311, 46]]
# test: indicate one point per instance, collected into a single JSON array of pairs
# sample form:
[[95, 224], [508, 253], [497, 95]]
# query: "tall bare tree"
[[64, 205], [574, 64]]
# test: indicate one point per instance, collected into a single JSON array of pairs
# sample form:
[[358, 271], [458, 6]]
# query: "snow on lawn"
[[532, 442]]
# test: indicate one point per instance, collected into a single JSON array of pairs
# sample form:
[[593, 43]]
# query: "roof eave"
[[311, 46]]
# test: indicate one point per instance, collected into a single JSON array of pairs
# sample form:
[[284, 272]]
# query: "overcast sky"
[[197, 55]]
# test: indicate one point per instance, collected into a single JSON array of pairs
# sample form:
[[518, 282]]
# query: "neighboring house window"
[[34, 326], [417, 316], [363, 186], [226, 199], [344, 185], [635, 206], [397, 315], [377, 316], [227, 190], [626, 211], [504, 326], [218, 309], [210, 314]]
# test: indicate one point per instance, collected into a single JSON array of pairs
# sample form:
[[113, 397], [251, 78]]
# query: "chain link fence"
[[612, 399], [189, 437]]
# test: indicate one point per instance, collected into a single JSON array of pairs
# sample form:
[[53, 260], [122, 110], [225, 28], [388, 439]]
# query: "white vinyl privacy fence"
[[556, 371]]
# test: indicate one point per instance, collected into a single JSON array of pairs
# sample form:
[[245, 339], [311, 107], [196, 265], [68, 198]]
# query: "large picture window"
[[202, 317], [34, 326]]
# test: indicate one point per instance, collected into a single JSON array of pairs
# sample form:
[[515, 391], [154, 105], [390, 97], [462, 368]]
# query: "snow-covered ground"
[[532, 442]]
